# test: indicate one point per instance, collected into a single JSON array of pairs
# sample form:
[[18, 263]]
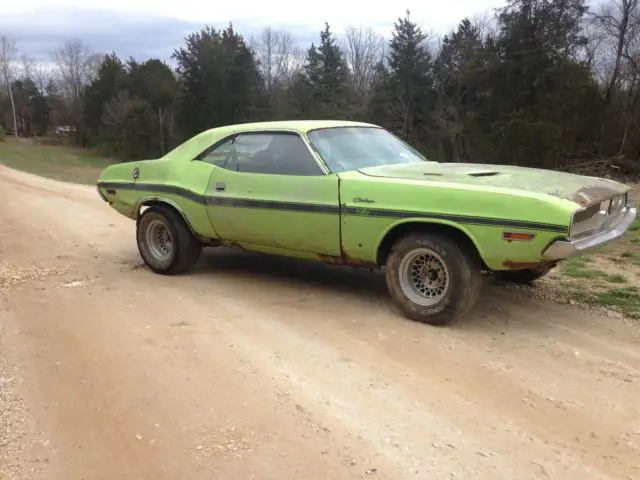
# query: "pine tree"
[[326, 75], [410, 79], [220, 81]]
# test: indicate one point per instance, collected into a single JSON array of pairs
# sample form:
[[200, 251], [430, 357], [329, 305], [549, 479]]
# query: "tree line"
[[543, 83]]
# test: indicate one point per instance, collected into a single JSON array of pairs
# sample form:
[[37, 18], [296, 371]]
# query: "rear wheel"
[[528, 275], [165, 242], [432, 279]]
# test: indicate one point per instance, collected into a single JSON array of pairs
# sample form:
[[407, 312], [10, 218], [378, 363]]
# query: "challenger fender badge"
[[135, 173]]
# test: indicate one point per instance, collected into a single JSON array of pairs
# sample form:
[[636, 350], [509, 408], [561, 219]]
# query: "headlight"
[[594, 218], [617, 203]]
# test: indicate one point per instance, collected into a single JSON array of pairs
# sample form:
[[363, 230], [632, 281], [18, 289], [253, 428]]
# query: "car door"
[[271, 191]]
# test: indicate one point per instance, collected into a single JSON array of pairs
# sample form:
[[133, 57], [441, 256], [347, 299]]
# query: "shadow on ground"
[[500, 306]]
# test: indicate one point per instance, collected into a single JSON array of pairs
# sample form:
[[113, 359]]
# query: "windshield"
[[351, 148]]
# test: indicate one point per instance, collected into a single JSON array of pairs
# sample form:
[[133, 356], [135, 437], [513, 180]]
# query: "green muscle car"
[[352, 193]]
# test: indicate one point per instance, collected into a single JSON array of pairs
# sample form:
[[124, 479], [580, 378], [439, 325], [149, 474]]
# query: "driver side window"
[[272, 153]]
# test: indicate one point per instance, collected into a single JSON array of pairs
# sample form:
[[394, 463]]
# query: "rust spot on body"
[[592, 193], [356, 262], [333, 260], [227, 243], [522, 265], [346, 259]]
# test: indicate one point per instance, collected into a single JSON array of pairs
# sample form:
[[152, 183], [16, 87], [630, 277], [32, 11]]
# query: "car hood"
[[576, 188]]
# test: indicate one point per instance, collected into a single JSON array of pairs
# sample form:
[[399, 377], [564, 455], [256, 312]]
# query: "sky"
[[154, 28]]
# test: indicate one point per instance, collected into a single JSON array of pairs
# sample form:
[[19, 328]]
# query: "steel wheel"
[[159, 240], [165, 241]]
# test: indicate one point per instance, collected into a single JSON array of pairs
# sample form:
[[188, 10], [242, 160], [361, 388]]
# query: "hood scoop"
[[486, 173], [483, 174]]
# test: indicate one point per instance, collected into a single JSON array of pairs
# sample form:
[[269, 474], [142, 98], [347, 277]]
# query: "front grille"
[[616, 204], [598, 216], [586, 214]]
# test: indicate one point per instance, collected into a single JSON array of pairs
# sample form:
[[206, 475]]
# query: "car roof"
[[302, 126], [199, 142]]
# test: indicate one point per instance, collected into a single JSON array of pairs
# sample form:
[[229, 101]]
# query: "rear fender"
[[151, 201]]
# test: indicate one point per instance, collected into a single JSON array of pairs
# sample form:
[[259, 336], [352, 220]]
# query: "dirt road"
[[258, 367]]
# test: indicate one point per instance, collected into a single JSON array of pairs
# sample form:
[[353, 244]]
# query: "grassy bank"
[[60, 163], [609, 278]]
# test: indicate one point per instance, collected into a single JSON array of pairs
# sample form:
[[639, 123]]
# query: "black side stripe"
[[272, 205], [156, 188], [330, 209], [496, 222]]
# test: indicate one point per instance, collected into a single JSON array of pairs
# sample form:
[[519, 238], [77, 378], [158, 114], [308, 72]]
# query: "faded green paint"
[[362, 234], [575, 188], [292, 230], [355, 210]]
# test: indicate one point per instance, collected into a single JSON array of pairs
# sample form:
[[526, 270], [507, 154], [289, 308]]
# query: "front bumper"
[[561, 249]]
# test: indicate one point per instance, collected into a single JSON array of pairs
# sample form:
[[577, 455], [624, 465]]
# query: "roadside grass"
[[609, 278], [64, 163]]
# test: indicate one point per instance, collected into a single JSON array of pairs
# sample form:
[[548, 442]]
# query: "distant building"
[[65, 129]]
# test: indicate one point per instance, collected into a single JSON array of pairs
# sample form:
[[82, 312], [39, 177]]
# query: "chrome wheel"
[[159, 240], [424, 277]]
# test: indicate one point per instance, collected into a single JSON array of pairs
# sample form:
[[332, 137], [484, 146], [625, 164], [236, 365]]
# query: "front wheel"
[[165, 242], [432, 278]]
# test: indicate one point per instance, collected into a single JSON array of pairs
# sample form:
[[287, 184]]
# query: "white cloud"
[[436, 15], [154, 28]]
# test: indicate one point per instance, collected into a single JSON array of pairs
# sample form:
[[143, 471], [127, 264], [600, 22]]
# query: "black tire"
[[527, 276], [184, 249], [464, 278]]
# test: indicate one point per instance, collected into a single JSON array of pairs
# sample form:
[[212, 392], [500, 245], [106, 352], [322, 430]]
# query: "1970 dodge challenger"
[[352, 193]]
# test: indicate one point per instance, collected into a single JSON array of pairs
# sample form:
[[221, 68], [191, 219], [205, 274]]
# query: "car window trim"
[[323, 167], [406, 144]]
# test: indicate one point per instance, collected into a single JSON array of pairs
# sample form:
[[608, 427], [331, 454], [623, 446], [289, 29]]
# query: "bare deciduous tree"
[[363, 49], [619, 27], [485, 23], [297, 60], [77, 66], [8, 52], [36, 71], [274, 50]]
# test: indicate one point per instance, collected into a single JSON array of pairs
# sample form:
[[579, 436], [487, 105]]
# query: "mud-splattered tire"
[[165, 242], [432, 278], [527, 276]]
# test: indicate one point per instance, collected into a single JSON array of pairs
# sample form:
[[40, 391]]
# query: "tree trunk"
[[13, 108], [160, 119]]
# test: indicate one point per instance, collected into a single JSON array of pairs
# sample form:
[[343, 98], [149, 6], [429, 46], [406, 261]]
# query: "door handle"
[[220, 187]]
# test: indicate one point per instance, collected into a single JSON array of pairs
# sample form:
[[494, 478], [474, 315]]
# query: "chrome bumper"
[[562, 249]]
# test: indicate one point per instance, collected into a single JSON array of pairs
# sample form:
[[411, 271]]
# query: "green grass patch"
[[58, 162], [625, 299], [580, 268], [617, 278]]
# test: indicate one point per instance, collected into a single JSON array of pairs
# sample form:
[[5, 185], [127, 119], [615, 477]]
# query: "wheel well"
[[152, 203], [460, 237]]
